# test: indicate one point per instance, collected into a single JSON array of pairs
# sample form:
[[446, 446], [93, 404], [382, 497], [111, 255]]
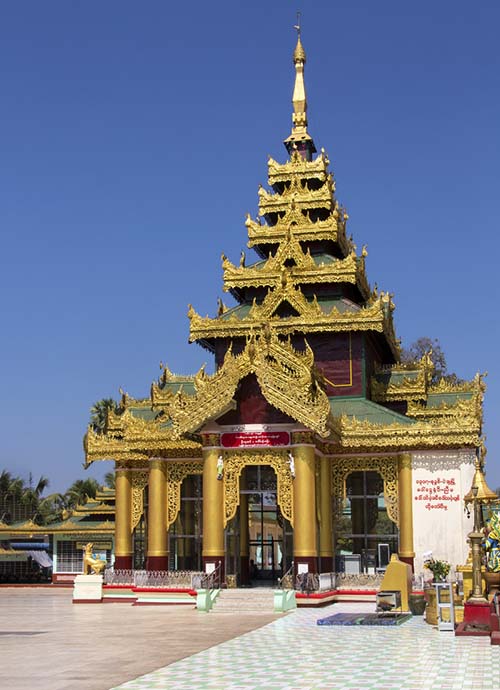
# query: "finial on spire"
[[299, 54], [299, 139], [297, 25]]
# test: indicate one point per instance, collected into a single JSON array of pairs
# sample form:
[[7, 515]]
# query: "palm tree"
[[5, 483], [32, 495], [109, 480], [51, 509], [99, 413], [80, 491], [12, 497]]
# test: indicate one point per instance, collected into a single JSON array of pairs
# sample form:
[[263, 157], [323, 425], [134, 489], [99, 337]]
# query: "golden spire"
[[299, 139], [484, 493]]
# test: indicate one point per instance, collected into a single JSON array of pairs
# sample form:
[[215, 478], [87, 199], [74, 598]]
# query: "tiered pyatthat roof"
[[300, 287], [309, 281]]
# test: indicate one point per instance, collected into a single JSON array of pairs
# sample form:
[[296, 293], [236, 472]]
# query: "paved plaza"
[[48, 642], [294, 653]]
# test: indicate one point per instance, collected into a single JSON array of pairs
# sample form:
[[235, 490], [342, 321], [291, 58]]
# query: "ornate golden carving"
[[332, 228], [465, 407], [303, 197], [303, 269], [298, 166], [285, 376], [235, 461], [406, 388], [214, 394], [138, 440], [403, 381], [302, 437], [453, 432], [139, 480], [386, 466], [210, 439], [310, 319], [176, 473], [445, 385]]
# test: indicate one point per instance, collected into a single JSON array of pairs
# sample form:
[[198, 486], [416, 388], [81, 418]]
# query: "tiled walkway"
[[293, 653]]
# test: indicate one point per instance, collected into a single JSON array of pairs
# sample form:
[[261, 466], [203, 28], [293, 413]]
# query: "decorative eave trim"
[[351, 270], [298, 166], [376, 317], [360, 435]]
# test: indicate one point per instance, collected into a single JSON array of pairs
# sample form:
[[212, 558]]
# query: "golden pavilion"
[[311, 443]]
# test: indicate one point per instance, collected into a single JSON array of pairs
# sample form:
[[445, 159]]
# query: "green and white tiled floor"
[[294, 653]]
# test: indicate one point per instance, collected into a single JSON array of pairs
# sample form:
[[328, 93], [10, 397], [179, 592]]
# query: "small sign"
[[209, 568], [254, 439], [302, 568]]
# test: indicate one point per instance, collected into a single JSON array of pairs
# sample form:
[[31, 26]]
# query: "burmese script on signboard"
[[437, 493], [252, 439]]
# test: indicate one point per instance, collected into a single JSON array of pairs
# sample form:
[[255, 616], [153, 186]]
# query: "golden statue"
[[90, 563]]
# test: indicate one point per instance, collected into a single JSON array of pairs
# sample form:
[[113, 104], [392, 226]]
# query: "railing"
[[306, 583], [183, 579], [286, 582], [175, 579], [211, 580], [358, 580], [118, 577], [324, 582]]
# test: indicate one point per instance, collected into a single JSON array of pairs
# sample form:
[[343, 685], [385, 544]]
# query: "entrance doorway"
[[269, 534]]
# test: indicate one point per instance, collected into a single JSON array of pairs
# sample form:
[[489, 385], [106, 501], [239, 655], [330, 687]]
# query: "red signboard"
[[252, 439]]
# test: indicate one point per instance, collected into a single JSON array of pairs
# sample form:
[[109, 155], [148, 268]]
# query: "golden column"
[[213, 511], [188, 541], [405, 496], [325, 511], [123, 519], [157, 516], [304, 509], [244, 535]]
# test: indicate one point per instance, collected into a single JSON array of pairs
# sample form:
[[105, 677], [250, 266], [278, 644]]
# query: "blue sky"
[[133, 137]]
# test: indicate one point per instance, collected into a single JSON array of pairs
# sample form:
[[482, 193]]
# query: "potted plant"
[[439, 569]]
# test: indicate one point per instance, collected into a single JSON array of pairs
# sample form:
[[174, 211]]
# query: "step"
[[235, 600]]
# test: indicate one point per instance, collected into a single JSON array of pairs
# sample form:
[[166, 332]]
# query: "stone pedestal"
[[87, 589], [477, 614]]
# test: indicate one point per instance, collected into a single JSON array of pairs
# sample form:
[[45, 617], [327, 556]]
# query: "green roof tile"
[[366, 410]]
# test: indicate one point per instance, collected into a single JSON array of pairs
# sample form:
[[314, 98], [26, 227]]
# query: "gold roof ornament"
[[484, 493], [299, 140]]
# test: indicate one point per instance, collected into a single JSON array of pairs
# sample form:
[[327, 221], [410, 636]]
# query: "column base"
[[245, 570], [409, 560], [123, 562], [215, 560], [157, 562], [310, 561], [326, 564]]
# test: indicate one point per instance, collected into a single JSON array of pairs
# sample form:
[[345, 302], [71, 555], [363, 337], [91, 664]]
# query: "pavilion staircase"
[[249, 600]]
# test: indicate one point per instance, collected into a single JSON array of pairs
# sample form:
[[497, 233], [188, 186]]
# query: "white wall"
[[440, 481]]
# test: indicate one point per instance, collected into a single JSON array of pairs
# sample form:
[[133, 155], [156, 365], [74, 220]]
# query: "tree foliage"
[[109, 480], [424, 345], [80, 491], [99, 413], [21, 500]]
